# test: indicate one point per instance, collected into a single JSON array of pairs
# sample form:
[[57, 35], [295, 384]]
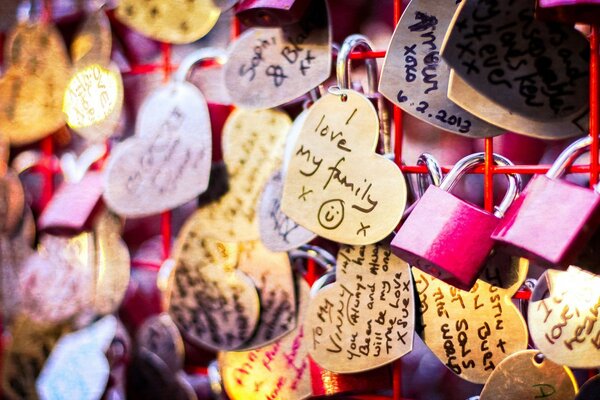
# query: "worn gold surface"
[[520, 376], [472, 332], [365, 319], [335, 185], [175, 21]]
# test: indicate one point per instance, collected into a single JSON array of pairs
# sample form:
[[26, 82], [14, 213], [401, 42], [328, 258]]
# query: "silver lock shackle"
[[309, 252], [473, 160], [186, 65], [568, 156], [342, 68], [434, 173]]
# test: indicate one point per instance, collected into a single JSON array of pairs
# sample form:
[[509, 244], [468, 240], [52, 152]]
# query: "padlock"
[[552, 220], [270, 13], [570, 11], [448, 237]]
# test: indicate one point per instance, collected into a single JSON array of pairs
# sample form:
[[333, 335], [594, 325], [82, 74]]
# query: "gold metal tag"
[[159, 335], [279, 232], [213, 303], [414, 75], [93, 43], [253, 142], [57, 281], [528, 67], [278, 371], [268, 67], [32, 89], [167, 162], [522, 376], [112, 264], [365, 319], [473, 101], [471, 332], [562, 317], [273, 277], [335, 185], [175, 21]]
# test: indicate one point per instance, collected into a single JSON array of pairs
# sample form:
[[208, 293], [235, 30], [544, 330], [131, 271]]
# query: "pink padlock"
[[570, 11], [448, 237], [270, 13], [552, 220]]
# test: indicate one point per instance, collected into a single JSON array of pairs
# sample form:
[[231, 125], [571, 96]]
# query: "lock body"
[[446, 237], [550, 223], [270, 13], [569, 11]]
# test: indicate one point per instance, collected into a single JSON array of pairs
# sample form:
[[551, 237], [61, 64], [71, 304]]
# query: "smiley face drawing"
[[331, 214]]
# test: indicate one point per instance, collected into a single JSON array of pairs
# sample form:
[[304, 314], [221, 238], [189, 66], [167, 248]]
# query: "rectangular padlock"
[[552, 220], [73, 206], [447, 237], [270, 13]]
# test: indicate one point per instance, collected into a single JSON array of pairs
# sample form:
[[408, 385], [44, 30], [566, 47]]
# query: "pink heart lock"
[[270, 13], [448, 237], [552, 220]]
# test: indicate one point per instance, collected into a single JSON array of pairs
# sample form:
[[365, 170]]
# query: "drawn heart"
[[174, 22], [279, 370], [214, 304], [335, 185], [472, 332], [253, 143], [279, 232], [169, 163], [268, 67], [560, 314], [533, 68], [274, 280], [365, 319], [415, 78], [77, 367], [33, 86]]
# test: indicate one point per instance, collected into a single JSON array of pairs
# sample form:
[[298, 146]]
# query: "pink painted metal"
[[448, 237], [553, 220]]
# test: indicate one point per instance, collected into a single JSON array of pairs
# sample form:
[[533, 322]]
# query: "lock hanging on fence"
[[448, 237], [552, 220]]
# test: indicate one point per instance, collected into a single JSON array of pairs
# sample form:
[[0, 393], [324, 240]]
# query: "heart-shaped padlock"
[[335, 185]]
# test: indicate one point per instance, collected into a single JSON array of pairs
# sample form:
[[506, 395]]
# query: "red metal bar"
[[488, 173], [165, 222], [363, 55], [398, 136], [594, 103], [500, 169]]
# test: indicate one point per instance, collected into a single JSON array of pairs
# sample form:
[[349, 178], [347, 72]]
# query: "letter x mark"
[[363, 229], [304, 193]]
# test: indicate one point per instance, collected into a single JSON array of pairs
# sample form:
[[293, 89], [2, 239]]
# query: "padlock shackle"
[[473, 160], [308, 252], [568, 157], [434, 173], [342, 68], [208, 53]]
